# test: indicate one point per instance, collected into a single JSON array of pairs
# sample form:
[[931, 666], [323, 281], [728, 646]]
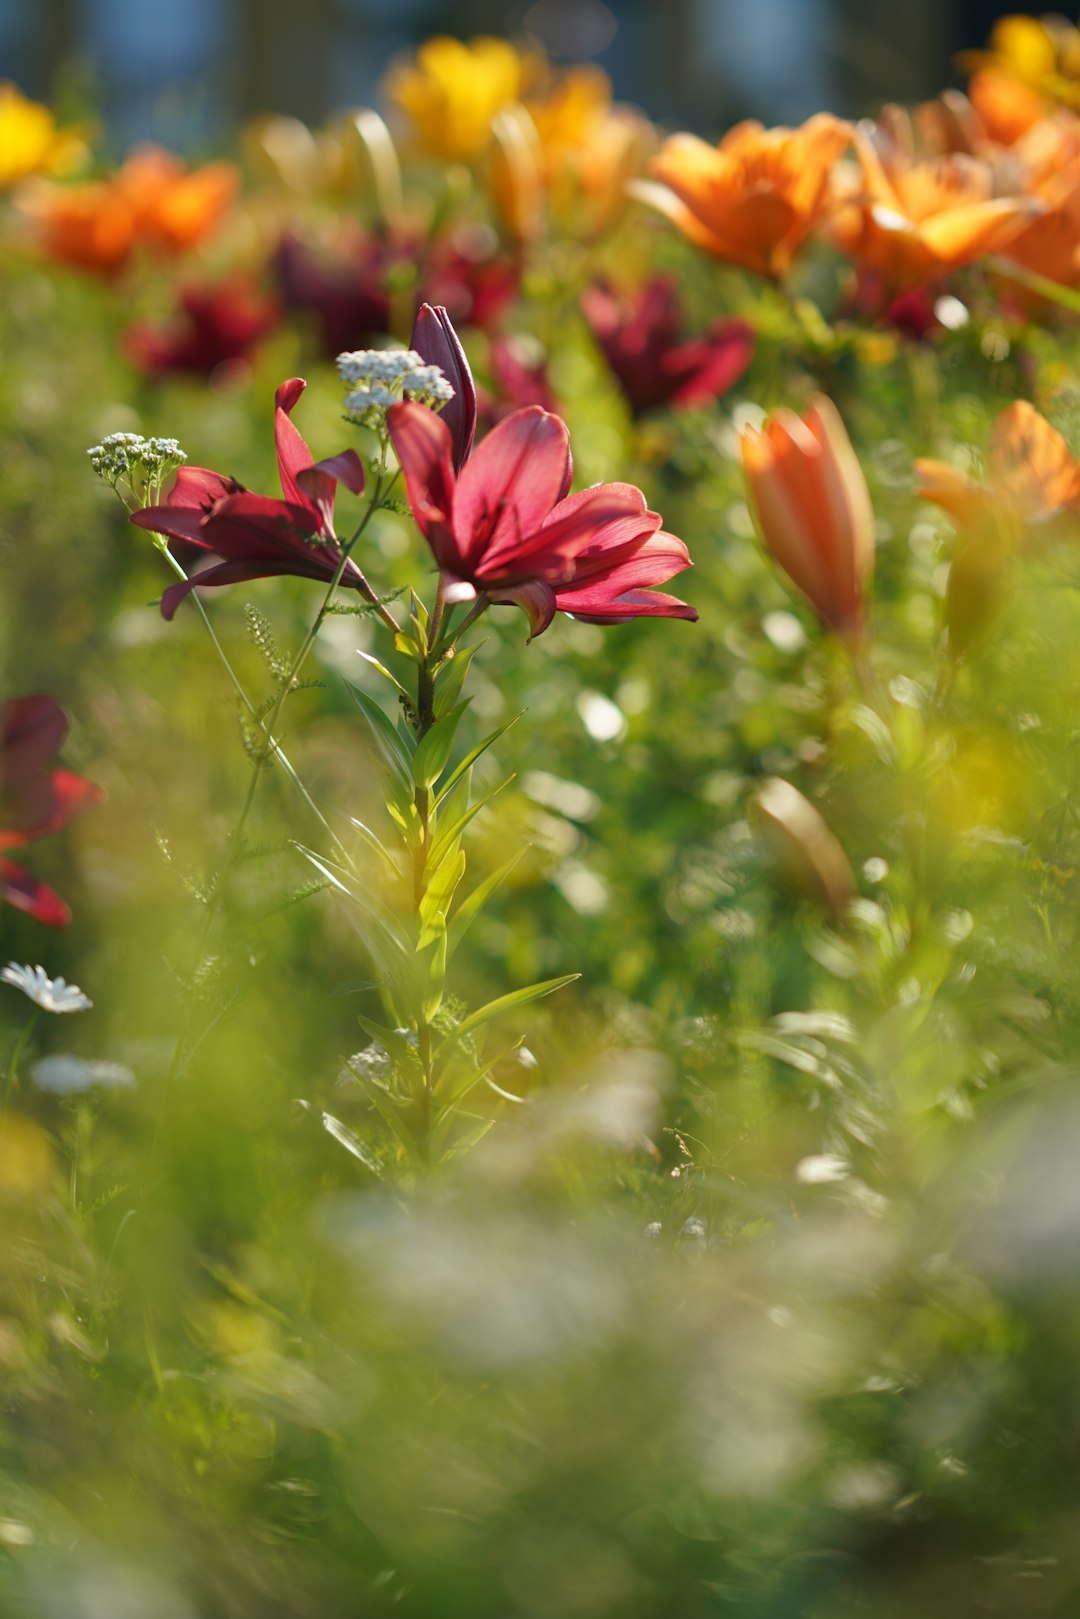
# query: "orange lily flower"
[[1050, 157], [1032, 486], [755, 198], [920, 218], [812, 508], [1007, 107], [30, 142], [1032, 477], [151, 201]]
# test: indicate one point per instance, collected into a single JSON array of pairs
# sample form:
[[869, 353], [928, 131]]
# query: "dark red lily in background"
[[519, 381], [639, 339], [258, 536], [213, 327], [352, 286], [344, 290], [507, 529], [437, 343], [35, 801]]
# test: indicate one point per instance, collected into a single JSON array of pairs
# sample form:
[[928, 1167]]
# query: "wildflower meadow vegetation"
[[539, 850]]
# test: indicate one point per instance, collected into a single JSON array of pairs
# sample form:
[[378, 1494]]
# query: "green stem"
[[13, 1065], [1066, 297]]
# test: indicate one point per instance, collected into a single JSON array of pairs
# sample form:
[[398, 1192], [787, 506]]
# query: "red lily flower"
[[638, 338], [35, 801], [213, 326], [257, 536], [507, 529]]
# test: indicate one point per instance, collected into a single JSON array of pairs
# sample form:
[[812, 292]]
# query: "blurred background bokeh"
[[185, 74]]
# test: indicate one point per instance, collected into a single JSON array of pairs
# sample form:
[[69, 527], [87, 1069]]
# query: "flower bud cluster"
[[379, 378], [140, 462]]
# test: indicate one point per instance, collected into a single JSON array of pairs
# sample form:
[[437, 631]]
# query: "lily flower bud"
[[812, 508], [807, 854], [436, 341]]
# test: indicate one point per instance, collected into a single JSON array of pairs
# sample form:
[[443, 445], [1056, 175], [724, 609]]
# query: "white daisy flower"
[[51, 994]]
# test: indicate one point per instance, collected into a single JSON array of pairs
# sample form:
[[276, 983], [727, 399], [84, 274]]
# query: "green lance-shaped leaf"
[[470, 759], [390, 744], [430, 975], [473, 903], [449, 680], [506, 1003], [350, 1141], [457, 1080], [376, 845], [438, 897], [443, 846], [386, 674], [385, 930], [433, 750]]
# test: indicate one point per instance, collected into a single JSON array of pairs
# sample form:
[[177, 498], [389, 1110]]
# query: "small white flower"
[[51, 994], [130, 456], [379, 378]]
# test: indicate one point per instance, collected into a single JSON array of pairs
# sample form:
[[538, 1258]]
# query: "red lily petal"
[[292, 452], [60, 795], [237, 572], [656, 560], [178, 522], [199, 487], [537, 599], [27, 894], [632, 604], [608, 517], [424, 447], [510, 483], [257, 527], [346, 468]]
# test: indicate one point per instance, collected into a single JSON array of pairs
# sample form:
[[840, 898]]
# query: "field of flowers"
[[540, 832]]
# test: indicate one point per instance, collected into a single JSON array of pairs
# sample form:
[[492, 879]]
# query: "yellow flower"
[[1041, 52], [591, 147], [451, 91], [30, 142]]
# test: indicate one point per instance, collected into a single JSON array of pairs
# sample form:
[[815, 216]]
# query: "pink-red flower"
[[508, 529], [213, 326], [258, 536], [639, 339], [35, 801]]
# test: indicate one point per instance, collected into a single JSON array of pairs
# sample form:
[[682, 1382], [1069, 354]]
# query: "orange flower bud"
[[808, 857], [515, 173], [812, 508]]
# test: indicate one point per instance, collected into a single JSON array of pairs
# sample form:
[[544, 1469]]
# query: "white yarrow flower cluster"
[[141, 463], [51, 994], [379, 378]]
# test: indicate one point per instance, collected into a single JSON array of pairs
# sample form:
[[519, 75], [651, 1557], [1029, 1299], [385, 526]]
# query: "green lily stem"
[[13, 1064], [270, 743]]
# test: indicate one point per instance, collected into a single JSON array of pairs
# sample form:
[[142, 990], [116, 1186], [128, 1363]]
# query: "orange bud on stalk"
[[812, 508], [807, 855]]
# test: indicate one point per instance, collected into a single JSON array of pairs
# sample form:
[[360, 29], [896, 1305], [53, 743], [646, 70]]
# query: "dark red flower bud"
[[437, 343]]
